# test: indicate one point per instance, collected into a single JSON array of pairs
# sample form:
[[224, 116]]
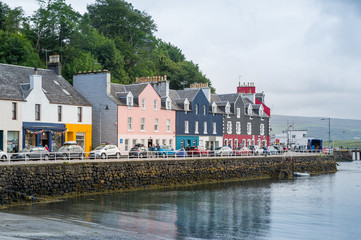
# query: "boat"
[[301, 174]]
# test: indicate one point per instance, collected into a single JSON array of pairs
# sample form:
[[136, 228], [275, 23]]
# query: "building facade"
[[126, 115], [51, 110]]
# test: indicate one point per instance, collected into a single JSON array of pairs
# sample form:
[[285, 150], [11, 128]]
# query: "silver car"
[[33, 153], [105, 152], [3, 156]]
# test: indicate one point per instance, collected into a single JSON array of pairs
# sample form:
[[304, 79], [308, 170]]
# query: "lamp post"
[[100, 121], [329, 130]]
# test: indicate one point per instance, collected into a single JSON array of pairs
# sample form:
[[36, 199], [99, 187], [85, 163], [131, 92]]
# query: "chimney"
[[54, 64], [36, 80]]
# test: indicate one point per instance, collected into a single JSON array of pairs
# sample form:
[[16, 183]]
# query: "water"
[[320, 207]]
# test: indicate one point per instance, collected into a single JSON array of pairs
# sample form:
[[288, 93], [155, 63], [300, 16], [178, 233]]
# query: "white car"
[[3, 156], [223, 151], [105, 151]]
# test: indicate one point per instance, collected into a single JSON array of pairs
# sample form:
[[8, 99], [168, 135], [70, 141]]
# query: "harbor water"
[[318, 207]]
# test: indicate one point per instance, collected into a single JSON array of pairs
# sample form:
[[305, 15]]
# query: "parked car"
[[33, 153], [223, 151], [68, 152], [3, 156], [165, 150], [243, 151], [198, 151], [182, 153], [104, 152], [257, 150], [139, 150]]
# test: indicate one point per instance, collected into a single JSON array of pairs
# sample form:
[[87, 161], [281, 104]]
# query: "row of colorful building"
[[39, 107]]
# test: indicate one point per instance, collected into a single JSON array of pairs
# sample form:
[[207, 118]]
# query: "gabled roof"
[[120, 92], [15, 85], [189, 93]]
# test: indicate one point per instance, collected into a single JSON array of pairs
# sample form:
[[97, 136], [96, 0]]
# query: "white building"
[[291, 138], [39, 107]]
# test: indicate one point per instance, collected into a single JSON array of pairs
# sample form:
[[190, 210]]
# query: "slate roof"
[[15, 85], [188, 93], [231, 98], [119, 92]]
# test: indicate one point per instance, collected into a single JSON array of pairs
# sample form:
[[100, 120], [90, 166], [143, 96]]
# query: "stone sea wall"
[[26, 183]]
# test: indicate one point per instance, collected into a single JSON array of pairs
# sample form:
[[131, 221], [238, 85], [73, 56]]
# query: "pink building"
[[144, 117], [126, 115]]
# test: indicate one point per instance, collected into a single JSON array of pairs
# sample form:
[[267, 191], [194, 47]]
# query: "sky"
[[305, 55]]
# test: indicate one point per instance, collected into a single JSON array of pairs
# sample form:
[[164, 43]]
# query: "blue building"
[[199, 122]]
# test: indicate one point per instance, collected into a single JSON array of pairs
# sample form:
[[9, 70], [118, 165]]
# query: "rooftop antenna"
[[239, 80], [46, 55]]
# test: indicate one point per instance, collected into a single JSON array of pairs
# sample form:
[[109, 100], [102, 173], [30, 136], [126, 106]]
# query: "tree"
[[11, 20], [17, 50]]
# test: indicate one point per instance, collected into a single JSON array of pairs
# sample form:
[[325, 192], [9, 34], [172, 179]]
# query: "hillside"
[[341, 129]]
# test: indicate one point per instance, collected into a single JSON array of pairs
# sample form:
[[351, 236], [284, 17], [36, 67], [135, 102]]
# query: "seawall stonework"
[[25, 183]]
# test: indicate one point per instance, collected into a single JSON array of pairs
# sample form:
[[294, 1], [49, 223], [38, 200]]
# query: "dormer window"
[[196, 109], [186, 105], [249, 110], [130, 99], [168, 104], [214, 107], [228, 108], [261, 111]]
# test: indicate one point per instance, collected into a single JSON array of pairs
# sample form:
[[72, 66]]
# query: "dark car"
[[139, 150], [33, 153], [68, 152]]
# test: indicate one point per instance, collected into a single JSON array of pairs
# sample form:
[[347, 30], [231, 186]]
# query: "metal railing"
[[56, 157]]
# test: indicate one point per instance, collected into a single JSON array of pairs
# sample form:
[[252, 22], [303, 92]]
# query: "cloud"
[[304, 54]]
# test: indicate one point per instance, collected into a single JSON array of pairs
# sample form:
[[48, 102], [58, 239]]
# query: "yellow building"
[[81, 133]]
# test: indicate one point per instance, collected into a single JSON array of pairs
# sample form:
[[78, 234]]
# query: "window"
[[236, 143], [229, 127], [143, 103], [80, 114], [238, 113], [205, 128], [134, 141], [59, 113], [130, 127], [167, 104], [214, 107], [261, 112], [156, 124], [168, 125], [249, 128], [214, 128], [196, 127], [204, 110], [80, 139], [238, 127], [126, 144], [171, 142], [14, 111], [186, 105], [130, 100], [155, 104], [164, 142], [244, 142], [261, 130], [228, 108], [196, 108], [142, 124], [186, 126], [37, 112]]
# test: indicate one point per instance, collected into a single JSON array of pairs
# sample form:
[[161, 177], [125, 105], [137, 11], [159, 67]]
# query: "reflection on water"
[[320, 207]]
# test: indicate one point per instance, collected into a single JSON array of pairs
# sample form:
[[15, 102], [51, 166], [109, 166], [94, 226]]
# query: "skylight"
[[66, 92]]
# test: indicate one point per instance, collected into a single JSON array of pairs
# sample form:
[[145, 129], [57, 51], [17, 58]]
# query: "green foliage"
[[17, 50], [113, 35]]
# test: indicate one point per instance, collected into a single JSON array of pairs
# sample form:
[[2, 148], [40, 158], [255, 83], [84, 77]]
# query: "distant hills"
[[341, 129]]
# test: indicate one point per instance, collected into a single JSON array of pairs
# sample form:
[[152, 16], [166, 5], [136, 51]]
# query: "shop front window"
[[80, 139], [30, 140], [57, 140], [13, 141]]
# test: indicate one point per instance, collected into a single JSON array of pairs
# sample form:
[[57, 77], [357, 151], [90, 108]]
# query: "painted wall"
[[95, 88], [72, 129], [7, 124], [49, 112], [150, 114]]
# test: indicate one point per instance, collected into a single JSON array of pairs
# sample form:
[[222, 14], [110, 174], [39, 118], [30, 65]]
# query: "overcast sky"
[[304, 54]]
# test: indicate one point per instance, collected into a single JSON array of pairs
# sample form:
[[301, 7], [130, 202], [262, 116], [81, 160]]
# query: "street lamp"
[[100, 121], [329, 130]]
